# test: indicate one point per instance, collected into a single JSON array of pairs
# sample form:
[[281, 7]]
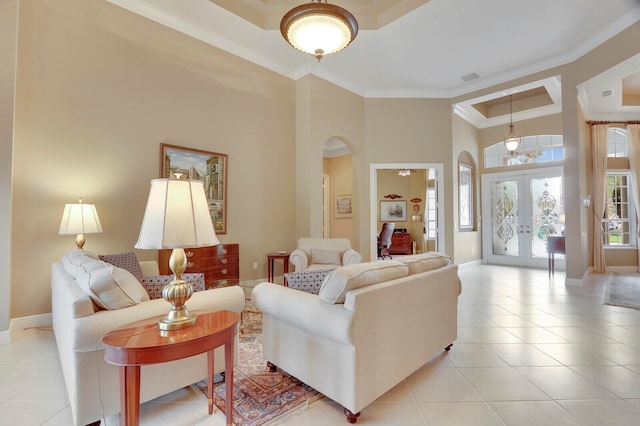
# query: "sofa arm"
[[87, 332], [351, 257], [305, 311], [299, 259]]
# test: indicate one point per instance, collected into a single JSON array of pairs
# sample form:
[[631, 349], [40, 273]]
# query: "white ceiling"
[[425, 52]]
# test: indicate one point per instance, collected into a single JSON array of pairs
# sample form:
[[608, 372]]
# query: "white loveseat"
[[92, 383], [323, 253], [356, 340]]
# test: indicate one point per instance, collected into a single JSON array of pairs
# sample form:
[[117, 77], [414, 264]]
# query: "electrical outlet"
[[255, 265]]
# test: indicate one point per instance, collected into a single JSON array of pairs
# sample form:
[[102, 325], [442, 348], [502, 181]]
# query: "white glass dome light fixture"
[[512, 141], [319, 28]]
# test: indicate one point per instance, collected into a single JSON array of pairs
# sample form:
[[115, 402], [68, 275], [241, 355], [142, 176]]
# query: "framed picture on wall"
[[393, 211], [343, 207], [196, 164]]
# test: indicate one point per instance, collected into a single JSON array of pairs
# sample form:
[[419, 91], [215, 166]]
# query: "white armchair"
[[323, 253]]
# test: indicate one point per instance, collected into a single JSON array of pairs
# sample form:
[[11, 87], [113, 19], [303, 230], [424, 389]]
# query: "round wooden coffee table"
[[142, 342]]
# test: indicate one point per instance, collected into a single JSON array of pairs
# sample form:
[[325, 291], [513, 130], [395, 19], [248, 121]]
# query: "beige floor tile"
[[459, 414], [535, 335], [445, 384], [474, 355], [563, 383], [502, 384], [534, 413], [493, 335], [620, 381], [521, 354], [603, 412], [572, 354]]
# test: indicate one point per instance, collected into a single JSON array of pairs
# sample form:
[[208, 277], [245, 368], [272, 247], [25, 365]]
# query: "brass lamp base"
[[177, 292]]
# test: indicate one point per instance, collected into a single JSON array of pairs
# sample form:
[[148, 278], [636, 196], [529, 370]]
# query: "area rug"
[[259, 396], [623, 290]]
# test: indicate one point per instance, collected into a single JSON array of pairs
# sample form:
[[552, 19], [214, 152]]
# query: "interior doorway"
[[432, 217]]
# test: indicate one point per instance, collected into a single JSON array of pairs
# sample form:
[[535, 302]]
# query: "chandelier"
[[512, 141], [319, 28]]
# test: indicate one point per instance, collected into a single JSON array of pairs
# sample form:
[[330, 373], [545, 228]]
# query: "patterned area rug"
[[259, 396], [623, 290]]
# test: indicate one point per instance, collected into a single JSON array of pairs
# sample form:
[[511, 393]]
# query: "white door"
[[519, 211]]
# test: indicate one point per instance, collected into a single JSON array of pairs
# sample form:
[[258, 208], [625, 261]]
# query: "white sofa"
[[92, 383], [323, 253], [372, 337]]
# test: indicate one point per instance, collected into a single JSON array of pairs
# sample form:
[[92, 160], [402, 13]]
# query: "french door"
[[520, 209]]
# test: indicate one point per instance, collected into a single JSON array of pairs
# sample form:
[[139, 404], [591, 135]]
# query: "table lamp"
[[177, 217], [79, 219]]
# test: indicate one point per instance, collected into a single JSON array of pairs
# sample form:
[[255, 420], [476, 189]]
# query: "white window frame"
[[631, 219]]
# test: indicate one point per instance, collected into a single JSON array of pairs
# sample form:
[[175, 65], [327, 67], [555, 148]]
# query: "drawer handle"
[[224, 250], [188, 253], [224, 272], [189, 264], [223, 282], [224, 260]]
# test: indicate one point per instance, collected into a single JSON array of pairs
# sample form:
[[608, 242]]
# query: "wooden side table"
[[271, 257], [142, 343]]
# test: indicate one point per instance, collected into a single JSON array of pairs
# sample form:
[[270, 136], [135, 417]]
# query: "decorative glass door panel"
[[519, 212], [504, 213]]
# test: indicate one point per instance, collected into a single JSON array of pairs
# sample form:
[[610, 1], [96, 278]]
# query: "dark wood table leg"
[[210, 361], [228, 373], [130, 395], [285, 269], [270, 270]]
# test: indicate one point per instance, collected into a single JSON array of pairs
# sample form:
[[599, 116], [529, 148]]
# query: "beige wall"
[[340, 171], [467, 244], [411, 131], [96, 97], [324, 111], [8, 43]]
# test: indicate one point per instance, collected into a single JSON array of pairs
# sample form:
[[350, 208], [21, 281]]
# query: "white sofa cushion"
[[346, 278], [108, 286], [326, 257], [424, 262]]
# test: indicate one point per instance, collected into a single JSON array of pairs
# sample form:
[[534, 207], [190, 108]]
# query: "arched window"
[[466, 192], [533, 149]]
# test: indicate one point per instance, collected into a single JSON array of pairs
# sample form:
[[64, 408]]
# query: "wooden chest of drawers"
[[220, 264], [400, 243]]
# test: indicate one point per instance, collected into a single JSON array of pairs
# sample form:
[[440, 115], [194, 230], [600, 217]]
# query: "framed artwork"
[[416, 218], [343, 206], [196, 164], [393, 211]]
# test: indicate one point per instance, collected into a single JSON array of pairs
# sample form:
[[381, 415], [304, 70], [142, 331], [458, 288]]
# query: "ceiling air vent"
[[606, 93], [470, 77]]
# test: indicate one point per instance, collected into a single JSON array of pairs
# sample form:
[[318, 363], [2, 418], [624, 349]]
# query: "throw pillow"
[[424, 262], [127, 261], [326, 257], [308, 281], [154, 284], [108, 286], [346, 278]]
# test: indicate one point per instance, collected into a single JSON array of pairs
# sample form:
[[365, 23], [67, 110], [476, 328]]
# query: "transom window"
[[533, 149]]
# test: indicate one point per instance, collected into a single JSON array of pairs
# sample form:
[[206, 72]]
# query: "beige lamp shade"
[[177, 216], [80, 219]]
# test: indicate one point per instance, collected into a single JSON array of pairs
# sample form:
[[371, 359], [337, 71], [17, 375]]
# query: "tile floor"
[[530, 351]]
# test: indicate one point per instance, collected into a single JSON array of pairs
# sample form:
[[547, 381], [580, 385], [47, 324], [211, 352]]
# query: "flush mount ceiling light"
[[512, 141], [319, 28]]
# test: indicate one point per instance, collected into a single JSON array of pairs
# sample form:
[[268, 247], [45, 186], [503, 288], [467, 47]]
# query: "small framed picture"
[[393, 211], [343, 206], [416, 218]]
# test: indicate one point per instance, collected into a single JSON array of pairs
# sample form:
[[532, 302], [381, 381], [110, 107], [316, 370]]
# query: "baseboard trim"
[[32, 321], [5, 337], [622, 269], [472, 263]]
